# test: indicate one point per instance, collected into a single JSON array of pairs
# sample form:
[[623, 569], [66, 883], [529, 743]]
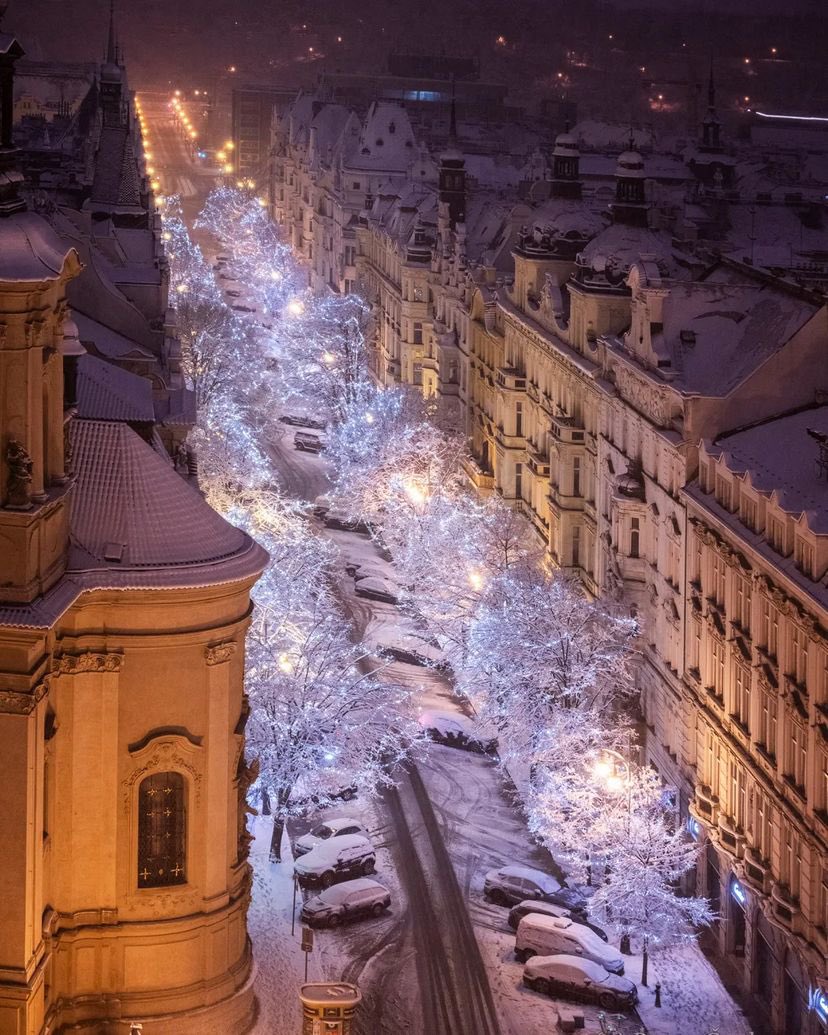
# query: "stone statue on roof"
[[18, 487]]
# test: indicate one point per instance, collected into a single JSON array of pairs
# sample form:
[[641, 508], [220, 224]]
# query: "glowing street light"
[[182, 289], [296, 307]]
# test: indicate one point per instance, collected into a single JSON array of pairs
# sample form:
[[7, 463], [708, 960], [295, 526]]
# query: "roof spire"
[[111, 48], [453, 119], [711, 88]]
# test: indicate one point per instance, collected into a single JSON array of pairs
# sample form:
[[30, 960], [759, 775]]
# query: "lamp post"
[[604, 769]]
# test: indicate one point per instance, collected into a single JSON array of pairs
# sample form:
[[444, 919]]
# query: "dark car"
[[301, 421], [451, 729], [308, 442], [336, 860], [512, 884], [531, 905], [351, 900], [242, 309], [570, 977]]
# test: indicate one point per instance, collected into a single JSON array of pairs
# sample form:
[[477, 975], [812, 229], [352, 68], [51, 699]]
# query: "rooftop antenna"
[[112, 47]]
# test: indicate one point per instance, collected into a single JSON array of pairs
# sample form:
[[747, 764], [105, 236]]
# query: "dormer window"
[[804, 556], [688, 337], [723, 493]]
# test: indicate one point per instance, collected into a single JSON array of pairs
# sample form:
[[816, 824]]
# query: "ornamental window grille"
[[162, 831]]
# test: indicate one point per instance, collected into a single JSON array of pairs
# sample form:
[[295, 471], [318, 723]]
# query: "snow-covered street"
[[441, 960]]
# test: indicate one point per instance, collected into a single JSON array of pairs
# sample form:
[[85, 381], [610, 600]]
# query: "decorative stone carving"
[[220, 652], [18, 488], [16, 702], [644, 397], [89, 661], [165, 754]]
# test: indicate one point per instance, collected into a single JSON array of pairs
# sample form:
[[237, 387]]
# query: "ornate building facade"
[[124, 601]]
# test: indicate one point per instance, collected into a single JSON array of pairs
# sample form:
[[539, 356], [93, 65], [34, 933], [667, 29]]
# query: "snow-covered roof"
[[781, 457], [612, 252], [107, 392], [130, 510], [386, 143], [30, 250], [107, 341], [717, 333]]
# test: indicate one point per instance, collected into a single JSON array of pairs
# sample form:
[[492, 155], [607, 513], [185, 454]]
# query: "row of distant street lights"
[[154, 182]]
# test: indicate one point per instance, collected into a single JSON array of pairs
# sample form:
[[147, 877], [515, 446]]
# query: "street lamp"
[[605, 770]]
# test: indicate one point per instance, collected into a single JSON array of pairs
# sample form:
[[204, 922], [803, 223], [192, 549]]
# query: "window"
[[797, 750], [747, 511], [821, 799], [518, 419], [741, 603], [418, 293], [717, 667], [418, 334], [635, 537], [418, 373], [804, 555], [763, 835], [695, 644], [798, 661], [576, 476], [741, 695], [696, 561], [349, 255], [770, 628], [790, 861], [776, 534], [723, 491], [576, 547], [766, 734], [719, 578], [162, 831], [737, 794], [519, 481], [356, 185]]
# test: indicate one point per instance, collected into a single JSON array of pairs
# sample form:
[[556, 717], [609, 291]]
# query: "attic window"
[[379, 141], [392, 127], [688, 337], [357, 185], [114, 552], [664, 363], [366, 150]]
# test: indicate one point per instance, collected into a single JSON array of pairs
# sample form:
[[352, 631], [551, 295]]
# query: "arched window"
[[162, 830]]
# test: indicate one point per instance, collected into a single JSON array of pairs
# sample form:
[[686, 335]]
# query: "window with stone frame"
[[741, 603], [769, 631], [723, 491], [804, 555], [741, 695], [766, 734], [717, 669], [719, 578], [821, 789], [162, 830], [748, 511], [797, 666], [796, 754], [776, 534]]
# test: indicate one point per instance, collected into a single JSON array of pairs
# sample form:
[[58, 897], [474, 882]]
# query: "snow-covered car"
[[321, 506], [335, 860], [455, 730], [411, 649], [369, 571], [512, 884], [350, 900], [303, 421], [308, 442], [344, 522], [531, 905], [325, 831], [232, 293], [324, 800], [377, 589], [242, 309], [570, 977], [558, 936]]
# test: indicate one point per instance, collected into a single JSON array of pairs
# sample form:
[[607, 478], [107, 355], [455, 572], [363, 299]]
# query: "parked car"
[[411, 649], [346, 793], [308, 442], [232, 293], [512, 884], [303, 421], [339, 519], [455, 730], [325, 831], [350, 900], [569, 977], [556, 935], [242, 309], [335, 860], [377, 589], [531, 905], [367, 571]]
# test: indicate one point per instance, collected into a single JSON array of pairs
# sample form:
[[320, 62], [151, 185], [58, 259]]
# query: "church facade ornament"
[[219, 653]]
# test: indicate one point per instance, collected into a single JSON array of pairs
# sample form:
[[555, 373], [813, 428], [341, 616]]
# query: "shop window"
[[162, 831]]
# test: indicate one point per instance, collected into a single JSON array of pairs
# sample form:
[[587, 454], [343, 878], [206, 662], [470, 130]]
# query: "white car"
[[351, 900], [335, 860], [539, 935], [569, 977], [325, 831], [455, 730], [377, 589]]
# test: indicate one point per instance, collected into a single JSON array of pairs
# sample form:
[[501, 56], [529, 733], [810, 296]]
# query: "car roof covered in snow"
[[545, 964], [329, 851], [340, 892], [543, 880]]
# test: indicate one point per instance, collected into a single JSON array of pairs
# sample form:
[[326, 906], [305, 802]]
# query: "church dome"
[[630, 165], [566, 146]]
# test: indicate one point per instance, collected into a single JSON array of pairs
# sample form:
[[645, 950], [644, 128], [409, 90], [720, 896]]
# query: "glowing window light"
[[738, 892]]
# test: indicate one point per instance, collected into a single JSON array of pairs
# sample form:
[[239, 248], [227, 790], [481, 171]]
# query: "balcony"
[[731, 838], [538, 463], [785, 906], [510, 379], [705, 805], [756, 871], [567, 429], [482, 480]]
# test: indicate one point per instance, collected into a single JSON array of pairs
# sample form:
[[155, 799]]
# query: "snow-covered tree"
[[537, 646], [321, 719]]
